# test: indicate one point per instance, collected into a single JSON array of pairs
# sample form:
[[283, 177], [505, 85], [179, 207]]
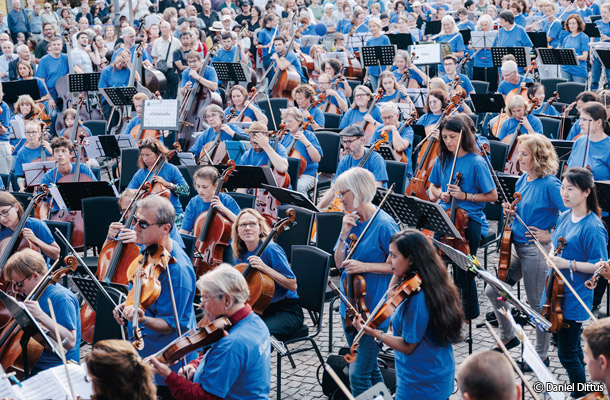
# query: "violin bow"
[[62, 352]]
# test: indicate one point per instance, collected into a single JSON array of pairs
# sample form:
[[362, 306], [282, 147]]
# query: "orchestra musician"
[[236, 366], [586, 239], [356, 188], [115, 75], [510, 34], [450, 62], [69, 118], [236, 99], [284, 314], [333, 96], [403, 64], [450, 34], [209, 79], [51, 67], [352, 140], [154, 219], [578, 41], [25, 72], [307, 145], [304, 96], [581, 99], [536, 90], [603, 26], [215, 118], [594, 144], [359, 111], [392, 90], [262, 152], [477, 188], [377, 39], [435, 105], [285, 59], [137, 100], [483, 68], [265, 37], [333, 67], [511, 79], [25, 269], [399, 141], [422, 334], [539, 208], [30, 151], [516, 109], [597, 353], [487, 376], [117, 372], [169, 176]]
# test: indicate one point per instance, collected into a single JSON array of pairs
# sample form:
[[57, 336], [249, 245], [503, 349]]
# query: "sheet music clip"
[[120, 96], [521, 54], [30, 328], [84, 82], [249, 177], [488, 103], [508, 183], [377, 392], [72, 193], [557, 56], [291, 197], [230, 71], [34, 172], [378, 55]]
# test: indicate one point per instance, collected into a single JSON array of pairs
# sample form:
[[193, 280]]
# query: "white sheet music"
[[35, 171], [53, 384]]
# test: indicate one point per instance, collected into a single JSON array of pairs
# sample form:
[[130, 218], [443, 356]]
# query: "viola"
[[368, 127], [143, 274], [157, 188], [550, 102], [213, 232], [262, 285], [241, 117], [293, 153], [554, 294], [592, 282], [505, 246], [512, 164]]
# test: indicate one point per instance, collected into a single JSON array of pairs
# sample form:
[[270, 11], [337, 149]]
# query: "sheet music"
[[160, 114], [126, 141], [35, 171], [78, 377], [93, 147], [6, 390], [54, 191], [53, 384]]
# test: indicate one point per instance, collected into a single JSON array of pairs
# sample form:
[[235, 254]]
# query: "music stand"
[[386, 152], [230, 71], [291, 197], [604, 57], [13, 89], [557, 56], [603, 195], [521, 55], [488, 103], [30, 328], [508, 183], [432, 28], [83, 82], [418, 96], [563, 148], [401, 40], [483, 40], [249, 177], [89, 290], [338, 55], [362, 37], [109, 145], [538, 39], [72, 193], [34, 172], [120, 96], [378, 55], [591, 30], [466, 36], [378, 392]]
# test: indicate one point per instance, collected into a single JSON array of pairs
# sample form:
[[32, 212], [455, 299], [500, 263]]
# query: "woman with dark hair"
[[536, 90], [117, 372], [578, 41], [476, 189], [582, 99], [358, 112], [511, 34], [333, 67], [594, 144], [435, 104], [426, 324], [586, 241]]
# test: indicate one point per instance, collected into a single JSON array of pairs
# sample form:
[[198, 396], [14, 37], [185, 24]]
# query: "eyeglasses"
[[348, 142], [140, 223], [4, 214], [362, 95], [206, 299], [385, 117], [32, 132], [245, 225], [19, 285]]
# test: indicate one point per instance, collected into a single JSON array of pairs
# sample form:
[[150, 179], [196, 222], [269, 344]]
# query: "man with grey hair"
[[18, 21], [163, 53], [23, 54], [153, 222], [6, 57], [129, 43]]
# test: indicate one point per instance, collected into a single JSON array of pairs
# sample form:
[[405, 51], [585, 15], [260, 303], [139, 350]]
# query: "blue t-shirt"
[[598, 156], [396, 97], [429, 119], [112, 78], [209, 135], [265, 36], [476, 179], [580, 44], [375, 164], [575, 130], [51, 69], [67, 313], [183, 282], [209, 74], [237, 366], [510, 125], [5, 120], [134, 121], [39, 228], [506, 87], [550, 110], [520, 20], [27, 155], [464, 82], [482, 57], [318, 118], [516, 37], [248, 113], [196, 206], [312, 167], [170, 173], [553, 30], [429, 371], [540, 205], [53, 176], [382, 40], [274, 257], [603, 28], [332, 100], [412, 75], [374, 248], [586, 241], [353, 116], [407, 134], [251, 157]]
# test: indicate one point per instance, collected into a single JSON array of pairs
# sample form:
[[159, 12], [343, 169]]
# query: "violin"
[[143, 274], [140, 134], [213, 232], [554, 294], [505, 246], [262, 285], [512, 164], [385, 308], [368, 127], [11, 336], [192, 340], [592, 283], [157, 188], [241, 117], [549, 102], [292, 152]]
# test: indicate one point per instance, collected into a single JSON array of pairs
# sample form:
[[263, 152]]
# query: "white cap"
[[416, 4], [225, 17]]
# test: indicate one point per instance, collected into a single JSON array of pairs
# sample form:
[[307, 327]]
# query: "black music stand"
[[110, 146], [401, 40], [13, 89], [291, 197], [230, 71], [521, 55], [120, 96], [591, 30], [83, 82], [466, 36], [604, 57], [508, 183], [30, 328], [603, 195], [386, 152], [73, 193], [89, 290], [378, 55], [249, 177], [563, 148], [488, 103], [432, 28], [557, 56], [538, 39]]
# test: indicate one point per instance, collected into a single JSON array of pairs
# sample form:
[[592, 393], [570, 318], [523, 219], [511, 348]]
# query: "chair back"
[[332, 120], [189, 244], [397, 174], [97, 127], [331, 146], [300, 233], [66, 229], [98, 214], [498, 153], [310, 266], [129, 166], [243, 200]]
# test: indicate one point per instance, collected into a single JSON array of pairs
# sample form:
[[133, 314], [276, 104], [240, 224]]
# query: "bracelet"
[[145, 321], [111, 239]]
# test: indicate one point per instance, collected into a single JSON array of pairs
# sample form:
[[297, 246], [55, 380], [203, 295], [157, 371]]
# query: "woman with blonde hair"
[[517, 116]]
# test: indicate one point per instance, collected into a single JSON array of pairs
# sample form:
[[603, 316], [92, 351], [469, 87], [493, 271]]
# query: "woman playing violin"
[[304, 96], [426, 324], [306, 144], [517, 115], [169, 176], [117, 372], [358, 112], [334, 97], [30, 151], [356, 189], [477, 188], [594, 144], [236, 366], [403, 65], [284, 315], [392, 90], [536, 90], [333, 67], [25, 270], [586, 240], [539, 208], [237, 97]]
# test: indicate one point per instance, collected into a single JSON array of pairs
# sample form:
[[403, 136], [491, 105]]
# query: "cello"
[[293, 153], [285, 81], [328, 106], [512, 163], [554, 294], [401, 156], [213, 232], [261, 285]]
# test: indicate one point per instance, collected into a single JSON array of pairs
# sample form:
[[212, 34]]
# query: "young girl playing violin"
[[476, 189], [517, 114], [425, 324], [284, 314], [307, 145], [539, 208], [586, 241], [356, 188], [31, 150], [594, 144], [392, 90], [536, 90], [358, 112], [237, 98], [169, 176]]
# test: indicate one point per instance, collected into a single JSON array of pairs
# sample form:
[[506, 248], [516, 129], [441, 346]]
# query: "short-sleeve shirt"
[[26, 155], [407, 134], [353, 116], [580, 44], [382, 40], [209, 135], [51, 69], [170, 173], [251, 157], [209, 74], [197, 206], [510, 125], [53, 176], [375, 164], [598, 156], [312, 167]]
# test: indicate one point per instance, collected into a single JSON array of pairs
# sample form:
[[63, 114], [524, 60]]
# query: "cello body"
[[217, 239]]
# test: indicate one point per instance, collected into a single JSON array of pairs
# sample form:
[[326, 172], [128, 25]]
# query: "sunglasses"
[[144, 224]]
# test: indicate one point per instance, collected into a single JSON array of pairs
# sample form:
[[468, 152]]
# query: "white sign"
[[160, 114], [426, 54]]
